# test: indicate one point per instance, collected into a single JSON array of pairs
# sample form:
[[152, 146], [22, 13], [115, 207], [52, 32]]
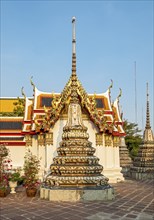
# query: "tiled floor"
[[134, 200]]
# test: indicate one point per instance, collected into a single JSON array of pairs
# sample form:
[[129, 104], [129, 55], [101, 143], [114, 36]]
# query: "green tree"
[[19, 107], [133, 139], [6, 114]]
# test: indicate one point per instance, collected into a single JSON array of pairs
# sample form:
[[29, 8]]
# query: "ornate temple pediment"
[[60, 104]]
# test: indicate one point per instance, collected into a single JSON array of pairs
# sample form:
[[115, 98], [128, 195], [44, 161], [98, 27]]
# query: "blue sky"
[[111, 35]]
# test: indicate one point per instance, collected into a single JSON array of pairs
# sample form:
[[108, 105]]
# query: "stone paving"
[[134, 200]]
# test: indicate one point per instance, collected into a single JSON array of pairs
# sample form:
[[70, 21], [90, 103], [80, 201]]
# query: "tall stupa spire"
[[143, 164], [74, 86], [147, 111], [148, 134], [73, 47]]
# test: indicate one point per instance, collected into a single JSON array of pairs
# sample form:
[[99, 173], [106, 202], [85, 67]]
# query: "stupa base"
[[78, 194], [142, 175], [126, 171]]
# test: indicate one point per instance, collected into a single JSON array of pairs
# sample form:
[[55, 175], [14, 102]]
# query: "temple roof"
[[46, 109], [6, 104]]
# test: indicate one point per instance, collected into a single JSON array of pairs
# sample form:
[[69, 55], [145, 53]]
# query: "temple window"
[[10, 125], [46, 101], [99, 103]]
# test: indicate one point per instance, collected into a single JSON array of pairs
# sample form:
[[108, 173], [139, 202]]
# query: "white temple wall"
[[116, 157], [17, 154], [109, 163], [34, 148], [41, 154]]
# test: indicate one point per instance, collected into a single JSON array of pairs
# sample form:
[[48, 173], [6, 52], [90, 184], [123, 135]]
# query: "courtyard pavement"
[[134, 200]]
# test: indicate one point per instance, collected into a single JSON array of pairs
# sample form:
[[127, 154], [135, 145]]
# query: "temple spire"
[[73, 47], [148, 134], [143, 163], [74, 85], [147, 111]]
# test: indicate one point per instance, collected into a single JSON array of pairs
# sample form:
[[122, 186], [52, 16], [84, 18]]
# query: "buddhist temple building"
[[143, 165], [45, 114]]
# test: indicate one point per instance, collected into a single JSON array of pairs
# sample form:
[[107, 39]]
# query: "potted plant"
[[31, 170], [14, 178], [4, 164], [3, 184]]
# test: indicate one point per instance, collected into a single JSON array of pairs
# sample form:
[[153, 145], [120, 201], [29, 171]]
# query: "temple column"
[[109, 158], [41, 153], [112, 168], [116, 157]]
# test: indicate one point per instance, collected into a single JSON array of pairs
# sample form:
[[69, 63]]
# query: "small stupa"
[[143, 165], [76, 173], [125, 159]]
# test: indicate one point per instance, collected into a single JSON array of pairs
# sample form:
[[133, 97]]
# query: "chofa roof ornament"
[[23, 93], [32, 83]]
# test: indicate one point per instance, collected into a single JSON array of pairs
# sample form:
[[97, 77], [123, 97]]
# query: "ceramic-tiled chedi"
[[125, 160], [75, 164], [143, 165]]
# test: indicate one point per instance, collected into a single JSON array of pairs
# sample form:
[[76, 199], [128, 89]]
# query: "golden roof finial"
[[22, 92], [120, 94], [110, 86], [32, 83]]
